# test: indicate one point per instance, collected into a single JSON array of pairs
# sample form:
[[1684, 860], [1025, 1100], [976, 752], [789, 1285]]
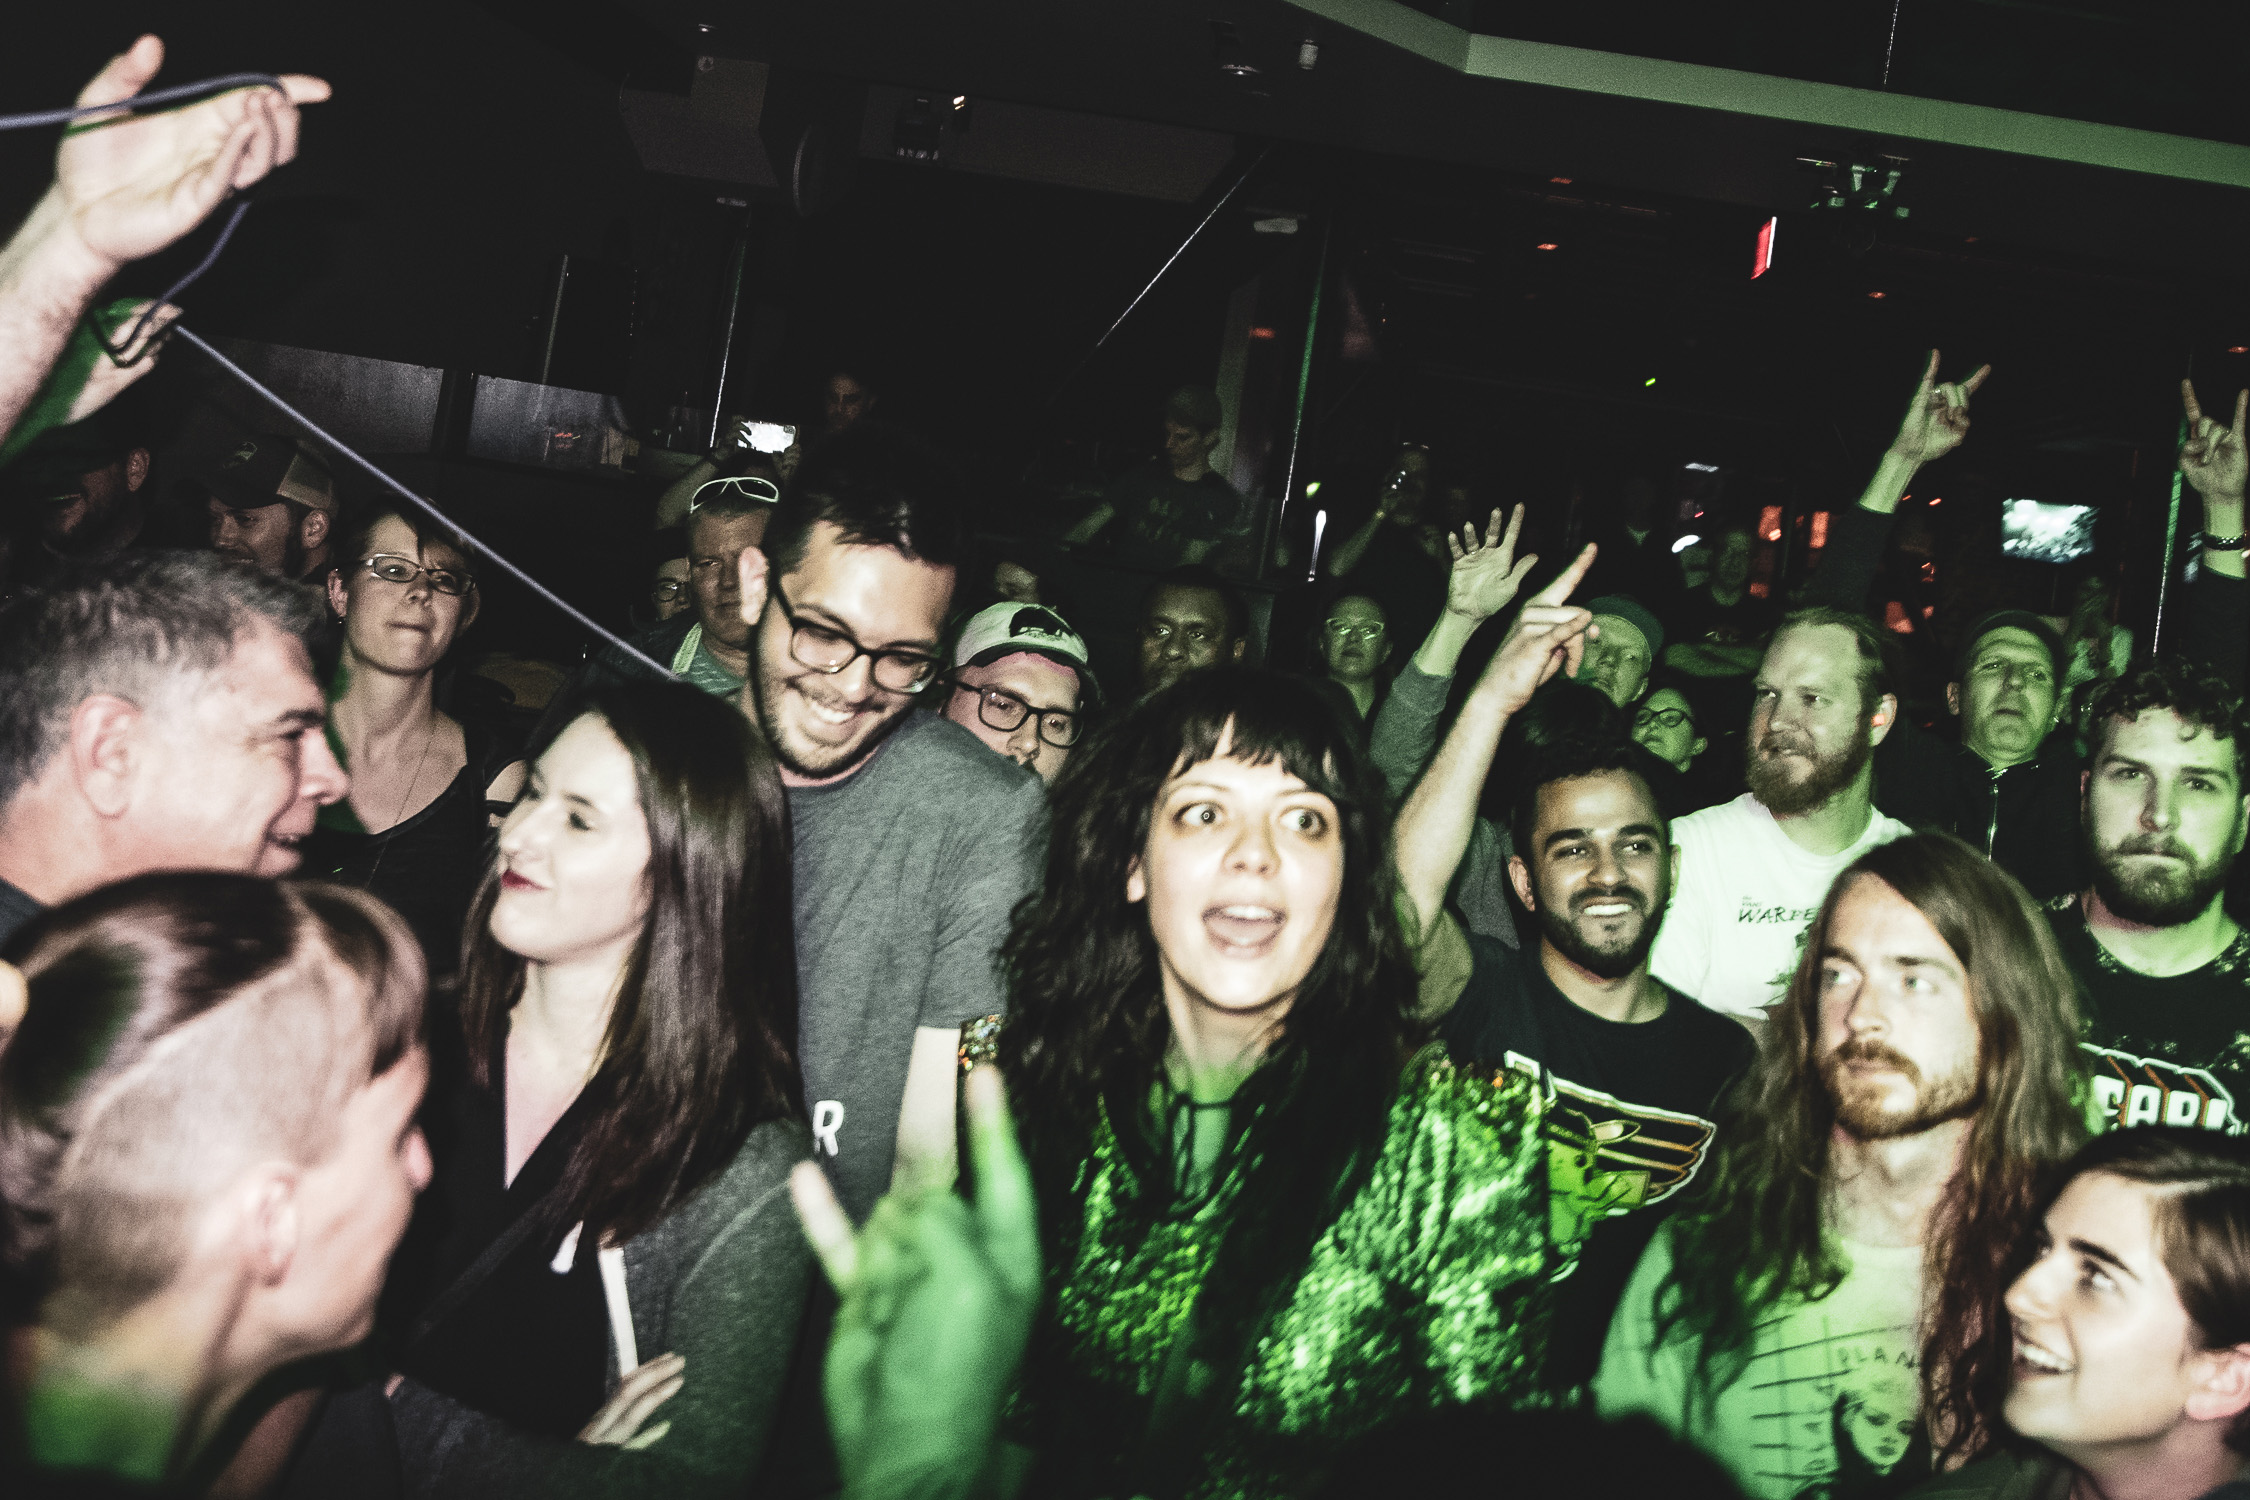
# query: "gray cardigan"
[[720, 1280]]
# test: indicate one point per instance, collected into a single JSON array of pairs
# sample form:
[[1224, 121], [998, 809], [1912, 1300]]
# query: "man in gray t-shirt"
[[913, 842], [907, 871]]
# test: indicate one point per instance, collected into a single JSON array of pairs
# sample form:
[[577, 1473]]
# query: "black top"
[[1698, 618], [2025, 818], [1629, 1128], [530, 1345], [428, 866], [2163, 1051], [1158, 514], [16, 909]]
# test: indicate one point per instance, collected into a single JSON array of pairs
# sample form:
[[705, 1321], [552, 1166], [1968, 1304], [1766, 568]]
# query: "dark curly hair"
[[1087, 1027], [2193, 691]]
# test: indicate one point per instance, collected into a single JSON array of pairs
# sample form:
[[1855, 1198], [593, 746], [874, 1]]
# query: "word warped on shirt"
[[1754, 915]]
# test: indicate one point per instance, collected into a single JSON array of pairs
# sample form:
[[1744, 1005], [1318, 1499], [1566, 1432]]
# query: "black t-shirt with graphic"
[[1628, 1129], [2164, 1051]]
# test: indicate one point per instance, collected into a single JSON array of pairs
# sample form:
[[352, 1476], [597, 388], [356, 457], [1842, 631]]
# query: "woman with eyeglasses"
[[1354, 649], [424, 782]]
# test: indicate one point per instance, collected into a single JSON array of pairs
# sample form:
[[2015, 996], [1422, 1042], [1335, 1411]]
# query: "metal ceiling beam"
[[1764, 96]]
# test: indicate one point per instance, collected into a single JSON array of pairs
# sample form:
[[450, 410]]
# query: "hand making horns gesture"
[[1937, 419], [2213, 457]]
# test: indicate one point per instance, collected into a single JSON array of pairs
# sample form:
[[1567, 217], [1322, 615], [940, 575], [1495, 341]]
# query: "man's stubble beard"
[[1829, 775], [2156, 900], [765, 697], [1953, 1097], [1560, 929]]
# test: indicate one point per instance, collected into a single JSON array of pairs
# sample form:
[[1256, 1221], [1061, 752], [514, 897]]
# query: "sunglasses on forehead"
[[749, 487]]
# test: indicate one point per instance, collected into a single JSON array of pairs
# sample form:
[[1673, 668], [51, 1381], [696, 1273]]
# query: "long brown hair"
[[702, 1039], [1757, 1232]]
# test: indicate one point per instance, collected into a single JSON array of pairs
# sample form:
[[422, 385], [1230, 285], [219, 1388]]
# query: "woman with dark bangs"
[[1273, 1219]]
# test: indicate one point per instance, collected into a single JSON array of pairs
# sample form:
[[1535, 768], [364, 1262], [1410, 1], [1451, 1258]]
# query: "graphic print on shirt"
[[2130, 1090], [827, 1119], [1840, 1408], [1606, 1156]]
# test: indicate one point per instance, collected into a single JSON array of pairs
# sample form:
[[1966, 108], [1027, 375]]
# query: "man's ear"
[[1136, 884], [1879, 722], [136, 469], [337, 596], [1701, 745], [1519, 876], [106, 752], [756, 571], [1953, 699], [1239, 647], [2222, 1384], [313, 529], [270, 1226]]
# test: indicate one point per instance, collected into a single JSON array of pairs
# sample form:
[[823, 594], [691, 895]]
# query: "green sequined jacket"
[[1431, 1287]]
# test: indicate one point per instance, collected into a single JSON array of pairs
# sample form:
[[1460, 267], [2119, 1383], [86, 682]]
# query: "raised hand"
[[1549, 636], [1937, 419], [937, 1297], [2213, 457], [133, 184], [1486, 571]]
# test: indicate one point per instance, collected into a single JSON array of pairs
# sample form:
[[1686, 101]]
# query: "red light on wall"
[[1877, 296], [1769, 523], [1937, 500], [1819, 538], [1761, 260], [1560, 181], [1548, 245], [2239, 349], [1261, 333]]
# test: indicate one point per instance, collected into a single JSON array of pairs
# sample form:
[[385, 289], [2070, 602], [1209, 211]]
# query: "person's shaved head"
[[179, 1030]]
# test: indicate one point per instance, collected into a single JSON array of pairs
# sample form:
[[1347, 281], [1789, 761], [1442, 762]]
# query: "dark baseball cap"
[[2006, 619], [1634, 613], [56, 463], [267, 469]]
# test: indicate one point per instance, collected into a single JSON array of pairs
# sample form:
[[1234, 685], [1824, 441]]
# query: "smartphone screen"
[[772, 437]]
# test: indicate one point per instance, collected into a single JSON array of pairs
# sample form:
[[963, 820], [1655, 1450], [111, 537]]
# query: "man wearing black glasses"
[[1019, 678], [913, 843]]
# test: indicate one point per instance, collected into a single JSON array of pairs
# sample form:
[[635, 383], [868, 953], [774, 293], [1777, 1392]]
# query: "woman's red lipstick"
[[511, 881]]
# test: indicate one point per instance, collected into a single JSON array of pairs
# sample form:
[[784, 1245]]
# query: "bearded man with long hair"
[[1873, 1174]]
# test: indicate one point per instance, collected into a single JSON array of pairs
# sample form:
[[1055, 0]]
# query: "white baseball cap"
[[1006, 628]]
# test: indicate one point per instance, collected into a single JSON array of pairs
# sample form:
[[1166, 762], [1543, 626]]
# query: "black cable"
[[425, 506], [140, 102], [117, 351]]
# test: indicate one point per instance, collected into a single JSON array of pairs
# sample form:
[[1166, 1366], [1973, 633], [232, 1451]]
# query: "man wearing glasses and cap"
[[1019, 680], [272, 504]]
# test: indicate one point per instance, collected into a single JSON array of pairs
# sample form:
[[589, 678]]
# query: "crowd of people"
[[843, 1047]]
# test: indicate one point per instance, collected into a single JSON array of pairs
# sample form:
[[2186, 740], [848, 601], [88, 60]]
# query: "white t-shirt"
[[1830, 1401], [1746, 898]]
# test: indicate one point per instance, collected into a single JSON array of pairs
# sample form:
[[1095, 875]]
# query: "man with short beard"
[[1753, 871], [2163, 971], [913, 841], [1870, 1177]]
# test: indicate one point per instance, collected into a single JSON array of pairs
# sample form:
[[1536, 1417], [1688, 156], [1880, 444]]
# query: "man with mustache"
[[1918, 1080], [1753, 871], [2163, 971], [2008, 783]]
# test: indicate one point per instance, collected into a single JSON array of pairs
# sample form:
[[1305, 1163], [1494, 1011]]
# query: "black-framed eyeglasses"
[[830, 651], [667, 590], [393, 567], [1002, 710], [1662, 718]]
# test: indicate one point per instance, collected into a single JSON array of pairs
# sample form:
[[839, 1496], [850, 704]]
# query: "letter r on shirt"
[[827, 1119]]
